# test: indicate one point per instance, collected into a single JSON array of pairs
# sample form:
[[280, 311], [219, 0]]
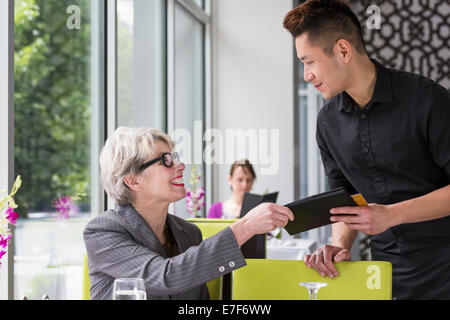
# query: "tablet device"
[[313, 212]]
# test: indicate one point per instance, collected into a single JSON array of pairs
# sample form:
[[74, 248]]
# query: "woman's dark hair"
[[245, 165], [325, 22]]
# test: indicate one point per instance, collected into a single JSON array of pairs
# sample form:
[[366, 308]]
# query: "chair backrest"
[[255, 247], [265, 279], [210, 227], [86, 294]]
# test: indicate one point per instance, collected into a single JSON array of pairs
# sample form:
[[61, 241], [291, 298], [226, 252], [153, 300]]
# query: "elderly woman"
[[139, 239]]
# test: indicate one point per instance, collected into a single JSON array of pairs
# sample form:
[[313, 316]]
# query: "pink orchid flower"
[[11, 215]]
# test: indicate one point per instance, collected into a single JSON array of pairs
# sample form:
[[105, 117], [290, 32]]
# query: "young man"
[[386, 134]]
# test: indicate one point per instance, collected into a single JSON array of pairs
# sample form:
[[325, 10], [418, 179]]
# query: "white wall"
[[253, 84]]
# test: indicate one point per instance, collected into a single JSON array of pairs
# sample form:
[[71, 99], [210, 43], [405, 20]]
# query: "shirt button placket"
[[364, 136], [380, 186], [368, 154], [379, 179]]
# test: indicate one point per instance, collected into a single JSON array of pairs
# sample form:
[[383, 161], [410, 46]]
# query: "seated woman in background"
[[139, 239], [241, 178]]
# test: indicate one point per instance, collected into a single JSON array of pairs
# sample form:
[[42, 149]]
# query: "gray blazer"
[[120, 244]]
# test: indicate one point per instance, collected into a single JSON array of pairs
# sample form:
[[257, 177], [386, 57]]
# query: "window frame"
[[104, 97], [99, 111], [110, 115], [7, 131], [310, 177], [204, 17]]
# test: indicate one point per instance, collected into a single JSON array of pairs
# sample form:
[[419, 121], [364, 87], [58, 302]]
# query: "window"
[[189, 95], [200, 3], [310, 174], [141, 61], [6, 126], [81, 69], [57, 100], [161, 71]]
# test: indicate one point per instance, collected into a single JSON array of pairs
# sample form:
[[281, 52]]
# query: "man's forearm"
[[342, 236], [431, 206]]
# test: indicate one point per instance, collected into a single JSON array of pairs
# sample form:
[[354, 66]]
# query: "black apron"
[[420, 268]]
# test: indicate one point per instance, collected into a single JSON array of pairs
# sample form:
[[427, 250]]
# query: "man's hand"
[[322, 260], [371, 219]]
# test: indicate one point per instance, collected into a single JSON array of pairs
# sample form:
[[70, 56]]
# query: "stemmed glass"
[[129, 289], [313, 288]]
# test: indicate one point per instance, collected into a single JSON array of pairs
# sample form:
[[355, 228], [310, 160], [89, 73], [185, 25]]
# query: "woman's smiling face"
[[161, 183]]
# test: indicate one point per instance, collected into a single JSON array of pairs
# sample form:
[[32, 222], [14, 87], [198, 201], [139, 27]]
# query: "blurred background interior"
[[84, 67]]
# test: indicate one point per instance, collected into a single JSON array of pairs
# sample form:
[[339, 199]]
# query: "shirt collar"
[[346, 103], [381, 93], [383, 85]]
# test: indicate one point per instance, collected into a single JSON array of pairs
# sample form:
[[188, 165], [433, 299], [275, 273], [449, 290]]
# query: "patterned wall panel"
[[413, 35]]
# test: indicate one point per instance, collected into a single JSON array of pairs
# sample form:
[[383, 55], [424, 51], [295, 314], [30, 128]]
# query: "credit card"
[[359, 199]]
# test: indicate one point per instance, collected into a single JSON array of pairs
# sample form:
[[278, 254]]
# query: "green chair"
[[210, 227], [86, 294], [264, 279]]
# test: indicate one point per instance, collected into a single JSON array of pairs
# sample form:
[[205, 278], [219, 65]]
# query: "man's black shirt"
[[395, 148]]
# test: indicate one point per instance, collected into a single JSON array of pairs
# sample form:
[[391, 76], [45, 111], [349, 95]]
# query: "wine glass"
[[129, 289], [313, 288]]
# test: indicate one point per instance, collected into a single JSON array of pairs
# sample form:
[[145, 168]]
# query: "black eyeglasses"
[[167, 159]]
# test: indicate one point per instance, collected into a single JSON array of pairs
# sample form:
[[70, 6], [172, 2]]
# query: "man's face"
[[324, 72]]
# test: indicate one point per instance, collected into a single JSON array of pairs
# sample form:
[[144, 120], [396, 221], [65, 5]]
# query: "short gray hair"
[[124, 151]]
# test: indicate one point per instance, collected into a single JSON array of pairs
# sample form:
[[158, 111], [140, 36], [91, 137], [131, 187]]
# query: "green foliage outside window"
[[52, 103]]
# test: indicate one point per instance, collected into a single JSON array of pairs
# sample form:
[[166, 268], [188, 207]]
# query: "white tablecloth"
[[292, 249]]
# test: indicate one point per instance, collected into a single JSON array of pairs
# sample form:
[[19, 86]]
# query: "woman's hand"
[[261, 219], [267, 217]]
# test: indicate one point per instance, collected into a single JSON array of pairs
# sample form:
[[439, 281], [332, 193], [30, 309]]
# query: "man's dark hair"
[[325, 22]]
